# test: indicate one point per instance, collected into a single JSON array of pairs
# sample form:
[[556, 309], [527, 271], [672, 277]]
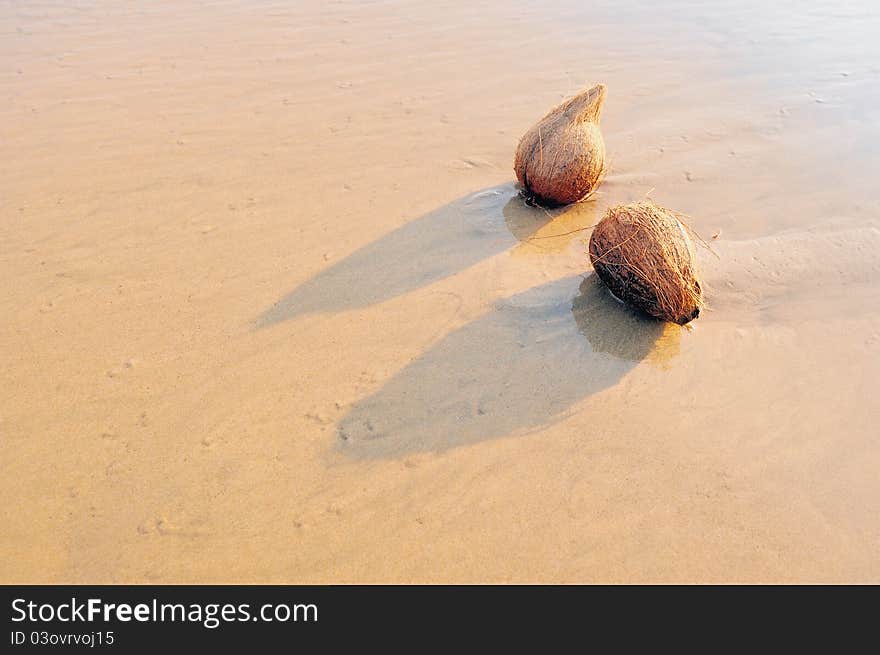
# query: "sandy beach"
[[274, 311]]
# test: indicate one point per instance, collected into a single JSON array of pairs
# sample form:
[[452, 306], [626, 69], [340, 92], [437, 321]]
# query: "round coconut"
[[643, 253], [561, 159]]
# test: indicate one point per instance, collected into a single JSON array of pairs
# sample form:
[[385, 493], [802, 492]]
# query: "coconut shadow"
[[425, 250], [516, 369]]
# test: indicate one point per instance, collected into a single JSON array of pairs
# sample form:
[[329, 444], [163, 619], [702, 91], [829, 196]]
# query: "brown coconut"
[[561, 159], [643, 253]]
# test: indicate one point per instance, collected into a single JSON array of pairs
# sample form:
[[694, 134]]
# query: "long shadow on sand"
[[521, 367], [427, 249]]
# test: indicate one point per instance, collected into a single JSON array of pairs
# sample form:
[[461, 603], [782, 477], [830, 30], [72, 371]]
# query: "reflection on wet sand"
[[614, 329], [542, 231], [520, 367], [425, 250]]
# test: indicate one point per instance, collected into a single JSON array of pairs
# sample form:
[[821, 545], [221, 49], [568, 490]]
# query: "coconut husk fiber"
[[644, 255], [561, 159]]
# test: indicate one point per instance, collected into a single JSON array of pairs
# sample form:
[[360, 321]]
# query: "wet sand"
[[274, 312]]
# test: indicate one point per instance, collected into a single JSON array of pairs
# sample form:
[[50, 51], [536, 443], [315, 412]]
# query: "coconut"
[[561, 159], [643, 254]]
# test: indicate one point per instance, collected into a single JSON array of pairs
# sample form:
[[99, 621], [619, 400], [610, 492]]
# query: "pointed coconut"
[[643, 253], [561, 159]]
